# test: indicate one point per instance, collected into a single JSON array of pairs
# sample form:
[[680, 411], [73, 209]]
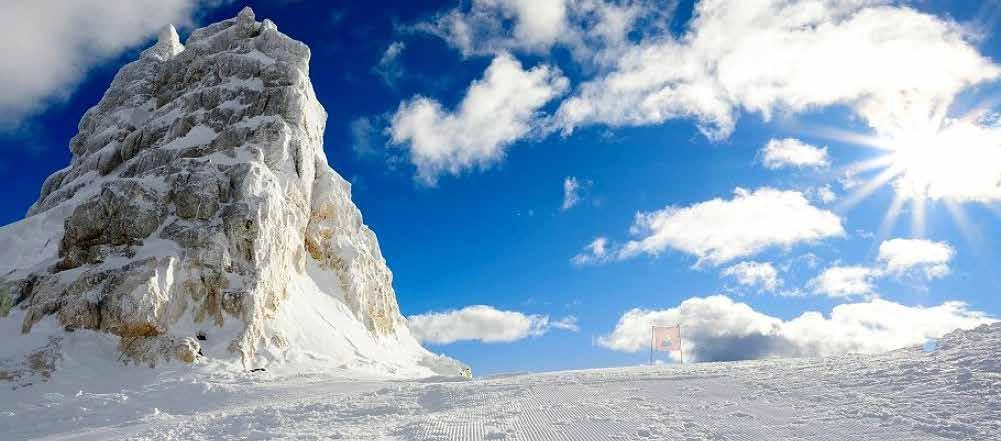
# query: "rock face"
[[199, 201]]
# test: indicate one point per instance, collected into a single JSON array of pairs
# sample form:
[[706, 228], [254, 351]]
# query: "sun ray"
[[890, 218], [966, 228], [928, 156], [849, 137], [870, 164], [871, 186], [918, 217]]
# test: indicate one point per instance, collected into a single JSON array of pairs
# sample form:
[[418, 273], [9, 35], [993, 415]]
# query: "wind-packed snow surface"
[[199, 222], [953, 393]]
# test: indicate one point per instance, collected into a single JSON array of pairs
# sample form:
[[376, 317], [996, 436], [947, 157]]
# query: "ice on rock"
[[199, 201], [246, 15], [167, 46]]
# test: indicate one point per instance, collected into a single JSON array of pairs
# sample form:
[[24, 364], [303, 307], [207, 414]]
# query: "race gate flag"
[[666, 338]]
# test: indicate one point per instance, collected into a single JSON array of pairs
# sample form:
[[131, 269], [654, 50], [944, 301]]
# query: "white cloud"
[[882, 61], [807, 260], [537, 25], [496, 111], [894, 66], [791, 152], [591, 29], [899, 256], [388, 67], [845, 281], [718, 329], [718, 231], [568, 323], [483, 323], [825, 194], [762, 275], [49, 45], [572, 189], [595, 252], [570, 193]]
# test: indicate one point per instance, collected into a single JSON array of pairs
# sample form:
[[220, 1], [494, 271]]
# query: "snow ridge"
[[199, 219], [952, 393]]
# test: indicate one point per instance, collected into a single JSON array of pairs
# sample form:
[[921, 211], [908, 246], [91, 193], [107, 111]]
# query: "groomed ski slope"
[[951, 393]]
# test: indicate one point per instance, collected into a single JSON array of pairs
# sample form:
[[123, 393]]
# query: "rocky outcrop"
[[197, 191]]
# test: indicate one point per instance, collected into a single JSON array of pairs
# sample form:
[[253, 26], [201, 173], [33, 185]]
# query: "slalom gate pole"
[[681, 345], [651, 345]]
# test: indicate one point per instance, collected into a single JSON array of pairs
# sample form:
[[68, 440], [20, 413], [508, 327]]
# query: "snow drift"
[[199, 220], [951, 393]]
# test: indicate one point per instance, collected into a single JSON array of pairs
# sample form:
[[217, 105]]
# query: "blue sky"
[[473, 210]]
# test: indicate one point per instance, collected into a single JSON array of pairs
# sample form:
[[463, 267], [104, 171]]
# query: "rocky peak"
[[199, 200], [167, 46]]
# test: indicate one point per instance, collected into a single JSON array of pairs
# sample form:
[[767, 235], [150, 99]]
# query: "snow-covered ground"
[[953, 392]]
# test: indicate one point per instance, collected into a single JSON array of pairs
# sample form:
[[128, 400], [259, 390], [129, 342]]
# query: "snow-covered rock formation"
[[199, 217]]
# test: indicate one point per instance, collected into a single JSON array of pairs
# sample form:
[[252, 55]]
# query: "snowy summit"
[[200, 222]]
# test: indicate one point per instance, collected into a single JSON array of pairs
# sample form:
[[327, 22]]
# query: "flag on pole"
[[666, 338]]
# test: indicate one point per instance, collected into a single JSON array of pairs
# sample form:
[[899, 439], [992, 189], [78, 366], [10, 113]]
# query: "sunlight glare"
[[953, 161], [961, 162]]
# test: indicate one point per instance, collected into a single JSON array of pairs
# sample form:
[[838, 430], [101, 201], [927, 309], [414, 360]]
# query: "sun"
[[942, 161], [958, 162], [916, 159]]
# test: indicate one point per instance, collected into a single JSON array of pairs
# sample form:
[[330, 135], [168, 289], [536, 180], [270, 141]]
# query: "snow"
[[255, 84], [198, 135], [263, 58], [21, 245], [953, 392], [34, 240], [322, 333]]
